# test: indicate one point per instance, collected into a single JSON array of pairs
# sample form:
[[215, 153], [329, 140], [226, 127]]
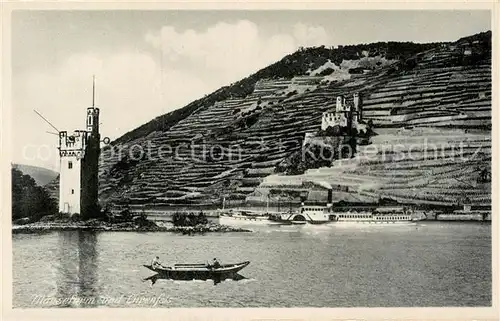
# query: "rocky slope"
[[227, 143]]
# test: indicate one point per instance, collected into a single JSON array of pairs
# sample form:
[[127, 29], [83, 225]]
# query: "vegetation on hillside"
[[482, 37], [437, 88], [191, 219], [30, 202], [295, 64], [315, 155]]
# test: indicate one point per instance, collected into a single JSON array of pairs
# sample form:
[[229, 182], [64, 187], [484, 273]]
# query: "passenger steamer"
[[314, 214], [320, 214], [382, 215]]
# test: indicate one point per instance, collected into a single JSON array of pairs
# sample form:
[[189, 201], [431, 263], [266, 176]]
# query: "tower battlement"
[[92, 111], [73, 144], [346, 113], [93, 119], [79, 160]]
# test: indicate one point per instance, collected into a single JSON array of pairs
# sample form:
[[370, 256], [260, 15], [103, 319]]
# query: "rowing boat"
[[186, 272]]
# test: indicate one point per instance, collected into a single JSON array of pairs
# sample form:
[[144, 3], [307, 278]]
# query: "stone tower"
[[357, 106], [78, 179]]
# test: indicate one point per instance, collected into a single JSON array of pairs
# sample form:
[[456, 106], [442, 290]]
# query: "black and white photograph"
[[251, 158]]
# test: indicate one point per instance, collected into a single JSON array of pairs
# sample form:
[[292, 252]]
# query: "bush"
[[142, 221], [316, 156], [251, 120], [358, 70], [22, 221], [48, 218], [189, 219], [326, 72]]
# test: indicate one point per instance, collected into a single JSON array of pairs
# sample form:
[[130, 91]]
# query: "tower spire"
[[93, 90]]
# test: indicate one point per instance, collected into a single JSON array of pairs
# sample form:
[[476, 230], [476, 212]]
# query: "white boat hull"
[[229, 220], [319, 215], [376, 222]]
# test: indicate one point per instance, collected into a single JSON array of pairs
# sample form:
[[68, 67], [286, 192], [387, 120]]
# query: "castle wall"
[[89, 178], [78, 183], [333, 119], [346, 114], [69, 185], [71, 153]]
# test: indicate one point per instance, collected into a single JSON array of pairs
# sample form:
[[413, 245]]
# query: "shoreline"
[[42, 227], [123, 227]]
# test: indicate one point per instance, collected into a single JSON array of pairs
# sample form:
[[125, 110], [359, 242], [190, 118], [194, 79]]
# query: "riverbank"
[[39, 227]]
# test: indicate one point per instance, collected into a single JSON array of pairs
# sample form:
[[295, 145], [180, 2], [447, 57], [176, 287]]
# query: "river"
[[428, 264]]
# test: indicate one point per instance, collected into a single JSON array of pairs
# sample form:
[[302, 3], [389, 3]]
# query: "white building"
[[343, 111], [71, 151], [79, 160]]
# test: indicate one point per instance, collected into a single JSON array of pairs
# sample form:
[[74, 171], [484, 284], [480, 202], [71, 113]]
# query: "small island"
[[123, 223], [34, 211], [122, 227]]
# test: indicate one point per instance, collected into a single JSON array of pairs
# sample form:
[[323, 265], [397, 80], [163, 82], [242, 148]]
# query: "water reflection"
[[77, 277], [443, 264]]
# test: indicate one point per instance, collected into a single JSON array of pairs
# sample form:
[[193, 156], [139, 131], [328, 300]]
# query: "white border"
[[234, 313]]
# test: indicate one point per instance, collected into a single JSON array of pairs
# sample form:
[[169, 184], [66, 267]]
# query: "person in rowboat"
[[156, 263], [215, 264]]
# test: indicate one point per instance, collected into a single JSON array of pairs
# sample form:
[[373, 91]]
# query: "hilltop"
[[300, 63], [41, 175], [231, 143]]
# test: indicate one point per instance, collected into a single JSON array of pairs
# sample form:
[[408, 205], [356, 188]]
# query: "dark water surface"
[[430, 264]]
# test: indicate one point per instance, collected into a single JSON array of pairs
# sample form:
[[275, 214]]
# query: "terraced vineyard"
[[230, 147], [423, 166]]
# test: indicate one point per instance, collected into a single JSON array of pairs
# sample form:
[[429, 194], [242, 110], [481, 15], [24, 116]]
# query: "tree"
[[28, 199], [189, 219]]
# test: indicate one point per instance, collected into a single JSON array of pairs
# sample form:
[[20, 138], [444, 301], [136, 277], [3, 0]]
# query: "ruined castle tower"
[[357, 107], [79, 159], [347, 113]]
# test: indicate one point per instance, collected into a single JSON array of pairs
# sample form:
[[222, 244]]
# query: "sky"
[[148, 63]]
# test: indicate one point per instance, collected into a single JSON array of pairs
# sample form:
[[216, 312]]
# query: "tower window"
[[90, 120], [72, 191], [70, 165]]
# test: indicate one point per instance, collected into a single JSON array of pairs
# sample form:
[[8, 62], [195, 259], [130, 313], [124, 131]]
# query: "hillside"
[[42, 176], [299, 63], [230, 142]]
